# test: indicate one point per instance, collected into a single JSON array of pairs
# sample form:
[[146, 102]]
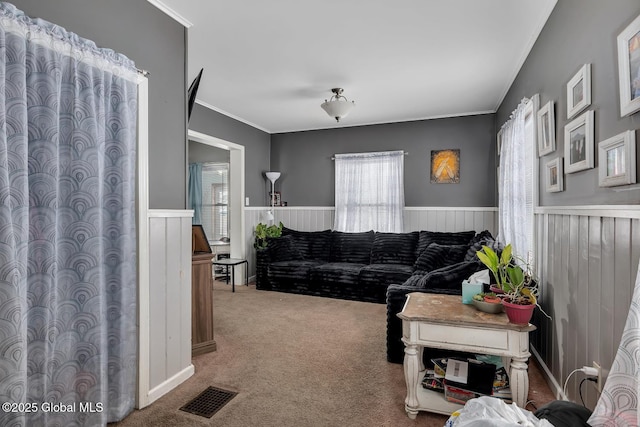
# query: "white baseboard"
[[551, 381], [168, 385]]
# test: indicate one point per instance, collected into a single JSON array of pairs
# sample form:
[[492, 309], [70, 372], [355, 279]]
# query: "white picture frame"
[[554, 175], [617, 160], [546, 129], [629, 68], [579, 91], [578, 143]]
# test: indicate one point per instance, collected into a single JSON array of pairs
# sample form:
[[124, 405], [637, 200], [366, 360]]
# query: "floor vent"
[[210, 401]]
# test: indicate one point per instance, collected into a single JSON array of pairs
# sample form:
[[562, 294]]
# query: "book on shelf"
[[430, 382]]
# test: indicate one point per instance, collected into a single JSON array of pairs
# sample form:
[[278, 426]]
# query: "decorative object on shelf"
[[338, 106], [516, 278], [579, 91], [277, 198], [273, 177], [578, 143], [629, 68], [554, 175], [617, 160], [445, 166], [546, 130]]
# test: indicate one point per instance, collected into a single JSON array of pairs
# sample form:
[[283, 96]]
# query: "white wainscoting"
[[314, 218], [169, 303], [588, 258]]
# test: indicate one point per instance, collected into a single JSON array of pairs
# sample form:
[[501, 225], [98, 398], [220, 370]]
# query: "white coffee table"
[[442, 321]]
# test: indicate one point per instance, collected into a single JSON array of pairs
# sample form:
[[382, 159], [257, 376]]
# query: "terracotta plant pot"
[[518, 314], [492, 299]]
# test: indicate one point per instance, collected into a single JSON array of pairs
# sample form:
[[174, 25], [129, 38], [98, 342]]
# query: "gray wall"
[[202, 153], [304, 159], [578, 32], [156, 43], [255, 141]]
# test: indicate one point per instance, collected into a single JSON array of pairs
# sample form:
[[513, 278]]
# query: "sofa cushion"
[[384, 274], [283, 249], [436, 256], [311, 244], [394, 248], [443, 238], [294, 270], [352, 247], [336, 272]]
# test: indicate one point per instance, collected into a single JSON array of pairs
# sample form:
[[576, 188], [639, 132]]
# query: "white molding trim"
[[551, 381], [232, 116], [611, 211], [172, 13], [171, 383], [142, 202], [170, 213]]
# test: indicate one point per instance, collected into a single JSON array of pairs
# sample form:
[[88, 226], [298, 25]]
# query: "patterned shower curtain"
[[68, 338]]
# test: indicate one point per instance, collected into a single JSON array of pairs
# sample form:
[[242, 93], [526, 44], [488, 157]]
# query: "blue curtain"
[[68, 280], [195, 191]]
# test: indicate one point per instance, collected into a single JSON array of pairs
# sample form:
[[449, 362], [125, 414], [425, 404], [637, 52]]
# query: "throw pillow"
[[436, 256], [449, 277], [283, 249], [443, 238]]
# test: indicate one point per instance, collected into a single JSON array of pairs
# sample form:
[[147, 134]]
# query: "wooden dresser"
[[202, 340]]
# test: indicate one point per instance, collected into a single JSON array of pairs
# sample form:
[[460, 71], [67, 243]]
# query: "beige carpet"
[[298, 361]]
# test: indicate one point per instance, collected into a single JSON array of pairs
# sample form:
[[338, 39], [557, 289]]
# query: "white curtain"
[[370, 192], [515, 184]]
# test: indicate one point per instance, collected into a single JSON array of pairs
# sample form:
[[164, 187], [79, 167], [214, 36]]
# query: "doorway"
[[236, 190]]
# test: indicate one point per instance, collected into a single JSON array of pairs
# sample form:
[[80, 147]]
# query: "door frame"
[[236, 190]]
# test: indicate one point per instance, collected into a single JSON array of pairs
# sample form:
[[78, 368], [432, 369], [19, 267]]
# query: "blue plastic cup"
[[469, 290]]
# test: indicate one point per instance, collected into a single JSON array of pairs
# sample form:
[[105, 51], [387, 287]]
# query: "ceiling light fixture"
[[338, 106]]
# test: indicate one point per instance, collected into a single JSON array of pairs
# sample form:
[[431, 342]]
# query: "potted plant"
[[515, 278], [263, 231]]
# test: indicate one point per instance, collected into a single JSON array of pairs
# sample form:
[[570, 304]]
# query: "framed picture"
[[579, 91], [546, 130], [445, 166], [629, 68], [578, 143], [277, 198], [617, 160], [555, 181], [499, 141]]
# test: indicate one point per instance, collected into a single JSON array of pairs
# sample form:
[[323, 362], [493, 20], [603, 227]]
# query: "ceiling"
[[272, 64]]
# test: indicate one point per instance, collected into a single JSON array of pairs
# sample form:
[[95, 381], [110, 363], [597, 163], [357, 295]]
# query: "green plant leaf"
[[505, 258]]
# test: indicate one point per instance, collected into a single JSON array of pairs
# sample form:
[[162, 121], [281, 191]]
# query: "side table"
[[231, 263], [442, 321]]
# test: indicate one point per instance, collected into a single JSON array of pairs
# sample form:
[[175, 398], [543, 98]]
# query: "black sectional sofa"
[[370, 266]]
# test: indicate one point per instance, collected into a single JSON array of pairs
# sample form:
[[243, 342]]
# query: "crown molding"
[[172, 13]]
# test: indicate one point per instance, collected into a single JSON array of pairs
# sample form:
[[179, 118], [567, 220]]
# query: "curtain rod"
[[144, 73], [406, 153]]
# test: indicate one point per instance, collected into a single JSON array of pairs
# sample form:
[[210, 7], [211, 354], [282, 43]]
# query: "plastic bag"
[[488, 411]]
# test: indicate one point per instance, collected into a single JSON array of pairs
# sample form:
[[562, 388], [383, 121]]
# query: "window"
[[215, 200], [369, 191]]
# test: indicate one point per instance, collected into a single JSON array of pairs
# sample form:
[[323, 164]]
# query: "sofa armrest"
[[446, 280]]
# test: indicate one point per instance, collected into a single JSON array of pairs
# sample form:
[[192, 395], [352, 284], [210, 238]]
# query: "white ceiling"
[[272, 63]]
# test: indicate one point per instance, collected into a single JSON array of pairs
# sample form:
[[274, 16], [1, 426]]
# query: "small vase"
[[518, 314]]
